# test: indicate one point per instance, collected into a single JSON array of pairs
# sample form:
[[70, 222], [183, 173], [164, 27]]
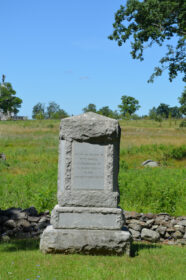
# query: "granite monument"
[[87, 218]]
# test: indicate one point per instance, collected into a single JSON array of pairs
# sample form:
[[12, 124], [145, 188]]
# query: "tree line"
[[10, 103], [126, 110]]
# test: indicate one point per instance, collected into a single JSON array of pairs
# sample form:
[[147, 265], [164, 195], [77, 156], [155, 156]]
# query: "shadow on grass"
[[33, 244], [19, 245], [136, 247]]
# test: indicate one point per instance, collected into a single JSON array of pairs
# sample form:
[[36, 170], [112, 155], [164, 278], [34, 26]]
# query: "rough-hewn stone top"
[[89, 126]]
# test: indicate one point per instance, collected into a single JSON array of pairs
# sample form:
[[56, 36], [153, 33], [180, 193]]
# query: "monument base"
[[104, 242]]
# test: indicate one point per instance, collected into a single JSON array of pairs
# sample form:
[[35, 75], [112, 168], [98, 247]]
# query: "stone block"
[[88, 199], [87, 218], [104, 242]]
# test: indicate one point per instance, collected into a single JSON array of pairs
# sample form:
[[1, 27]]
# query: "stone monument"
[[87, 218]]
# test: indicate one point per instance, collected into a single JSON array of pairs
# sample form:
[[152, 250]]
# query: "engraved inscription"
[[88, 166]]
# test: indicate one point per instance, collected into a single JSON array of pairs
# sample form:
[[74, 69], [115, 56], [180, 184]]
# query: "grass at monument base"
[[22, 260]]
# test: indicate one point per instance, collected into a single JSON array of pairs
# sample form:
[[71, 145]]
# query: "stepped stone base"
[[105, 242], [87, 218]]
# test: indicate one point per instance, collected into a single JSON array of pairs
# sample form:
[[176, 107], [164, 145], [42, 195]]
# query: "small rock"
[[167, 235], [182, 223], [135, 227], [149, 216], [150, 235], [170, 230], [43, 220], [2, 156], [33, 219], [180, 228], [181, 241], [150, 163], [23, 223], [10, 224], [150, 222], [161, 230], [131, 215], [177, 235], [135, 234], [184, 237], [154, 227], [5, 238]]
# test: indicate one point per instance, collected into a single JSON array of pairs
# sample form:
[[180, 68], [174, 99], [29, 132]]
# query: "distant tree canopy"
[[9, 103], [90, 108], [53, 111], [165, 111], [104, 111], [129, 105], [182, 101], [146, 22]]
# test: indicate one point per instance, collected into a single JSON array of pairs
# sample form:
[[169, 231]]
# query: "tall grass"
[[29, 175]]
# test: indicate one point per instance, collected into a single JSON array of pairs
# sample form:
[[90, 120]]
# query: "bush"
[[183, 123]]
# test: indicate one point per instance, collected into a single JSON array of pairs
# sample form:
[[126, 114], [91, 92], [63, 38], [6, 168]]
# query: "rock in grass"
[[150, 163], [2, 157], [150, 235]]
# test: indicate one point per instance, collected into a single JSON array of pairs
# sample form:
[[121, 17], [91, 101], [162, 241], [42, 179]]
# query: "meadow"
[[28, 177], [21, 260]]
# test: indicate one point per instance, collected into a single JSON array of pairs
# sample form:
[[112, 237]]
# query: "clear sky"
[[57, 50]]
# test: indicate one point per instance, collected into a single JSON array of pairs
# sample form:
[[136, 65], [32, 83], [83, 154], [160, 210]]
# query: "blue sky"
[[58, 51]]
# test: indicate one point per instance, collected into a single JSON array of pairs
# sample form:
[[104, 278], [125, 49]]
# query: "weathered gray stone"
[[88, 199], [23, 223], [150, 235], [182, 223], [89, 126], [135, 234], [131, 215], [177, 235], [85, 241], [87, 218], [5, 238], [161, 230], [135, 227], [154, 227], [10, 224], [150, 222], [180, 228]]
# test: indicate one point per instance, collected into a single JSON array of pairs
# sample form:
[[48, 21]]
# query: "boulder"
[[150, 235]]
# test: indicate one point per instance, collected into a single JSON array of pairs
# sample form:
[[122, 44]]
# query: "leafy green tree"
[[163, 110], [128, 106], [60, 114], [52, 109], [182, 101], [106, 111], [90, 108], [38, 111], [149, 22], [153, 113], [9, 103], [175, 112]]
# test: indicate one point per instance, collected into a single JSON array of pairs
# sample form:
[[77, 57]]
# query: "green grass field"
[[21, 260], [29, 175]]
